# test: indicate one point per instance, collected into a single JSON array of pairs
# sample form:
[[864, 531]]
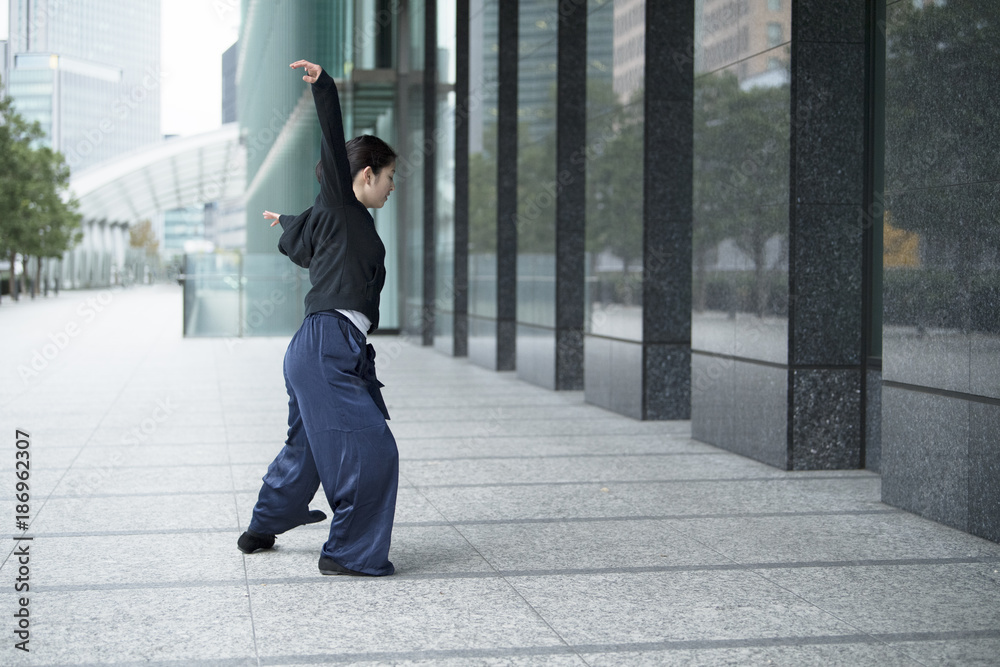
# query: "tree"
[[741, 173], [51, 215], [614, 167], [142, 236], [39, 219]]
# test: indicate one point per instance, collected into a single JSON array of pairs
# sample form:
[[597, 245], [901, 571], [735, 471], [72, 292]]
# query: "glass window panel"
[[536, 166], [740, 189], [615, 126], [483, 53]]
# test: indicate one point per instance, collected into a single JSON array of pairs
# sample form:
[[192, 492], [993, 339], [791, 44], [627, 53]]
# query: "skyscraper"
[[229, 60], [89, 72]]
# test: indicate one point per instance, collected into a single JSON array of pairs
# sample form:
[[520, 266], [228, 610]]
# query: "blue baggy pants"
[[337, 435]]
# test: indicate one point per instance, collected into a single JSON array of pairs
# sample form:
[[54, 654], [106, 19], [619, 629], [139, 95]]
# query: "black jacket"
[[336, 238]]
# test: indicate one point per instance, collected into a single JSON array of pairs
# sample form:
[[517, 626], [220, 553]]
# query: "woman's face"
[[381, 186]]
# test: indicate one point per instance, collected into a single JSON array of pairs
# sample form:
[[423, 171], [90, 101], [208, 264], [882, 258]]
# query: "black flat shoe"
[[330, 566], [250, 541]]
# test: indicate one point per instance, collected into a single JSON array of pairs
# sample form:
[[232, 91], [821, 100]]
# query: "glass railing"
[[234, 294]]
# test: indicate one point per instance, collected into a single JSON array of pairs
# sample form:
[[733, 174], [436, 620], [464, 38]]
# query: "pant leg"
[[291, 480], [353, 449], [360, 472]]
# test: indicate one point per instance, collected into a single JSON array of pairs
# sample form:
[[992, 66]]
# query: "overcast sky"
[[194, 33]]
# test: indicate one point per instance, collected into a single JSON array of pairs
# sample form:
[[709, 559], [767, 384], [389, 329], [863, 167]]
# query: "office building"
[[89, 72], [774, 219]]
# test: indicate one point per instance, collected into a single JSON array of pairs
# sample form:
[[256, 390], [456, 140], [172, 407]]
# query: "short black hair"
[[364, 151]]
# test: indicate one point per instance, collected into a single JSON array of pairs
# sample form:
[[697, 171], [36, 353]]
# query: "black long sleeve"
[[296, 237], [336, 187], [336, 238]]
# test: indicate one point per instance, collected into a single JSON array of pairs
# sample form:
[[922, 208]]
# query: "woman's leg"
[[360, 472], [291, 480], [353, 450]]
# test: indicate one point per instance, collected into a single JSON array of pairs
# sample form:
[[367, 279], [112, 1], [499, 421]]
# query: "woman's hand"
[[268, 215], [312, 70]]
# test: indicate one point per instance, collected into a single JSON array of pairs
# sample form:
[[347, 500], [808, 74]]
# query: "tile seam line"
[[236, 507], [505, 522], [402, 459], [762, 574], [645, 432], [496, 570], [639, 647], [625, 482], [946, 393], [733, 566], [611, 647], [149, 351], [617, 482]]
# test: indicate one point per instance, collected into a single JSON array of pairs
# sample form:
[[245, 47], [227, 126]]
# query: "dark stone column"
[[430, 164], [507, 187], [826, 245], [571, 139], [461, 274], [668, 160]]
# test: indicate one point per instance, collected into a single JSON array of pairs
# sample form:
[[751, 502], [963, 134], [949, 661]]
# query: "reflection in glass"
[[444, 207], [614, 150], [536, 166], [233, 294], [483, 47], [410, 177], [941, 237], [741, 175]]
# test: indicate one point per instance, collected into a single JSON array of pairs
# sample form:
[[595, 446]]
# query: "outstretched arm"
[[296, 235], [336, 184]]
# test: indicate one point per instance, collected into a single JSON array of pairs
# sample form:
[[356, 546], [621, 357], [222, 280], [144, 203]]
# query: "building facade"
[[88, 71], [774, 218]]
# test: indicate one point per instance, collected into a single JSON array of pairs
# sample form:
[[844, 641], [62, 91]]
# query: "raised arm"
[[336, 186]]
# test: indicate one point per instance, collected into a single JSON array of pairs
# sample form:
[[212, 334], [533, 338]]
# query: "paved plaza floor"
[[531, 527]]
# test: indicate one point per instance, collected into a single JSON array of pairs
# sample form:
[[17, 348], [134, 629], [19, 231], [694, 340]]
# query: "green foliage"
[[483, 195], [142, 237], [614, 167], [741, 174], [38, 218]]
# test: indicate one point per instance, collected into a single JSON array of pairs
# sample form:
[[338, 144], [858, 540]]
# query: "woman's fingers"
[[312, 70]]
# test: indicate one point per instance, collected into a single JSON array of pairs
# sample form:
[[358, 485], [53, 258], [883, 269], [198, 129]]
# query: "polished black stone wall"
[[742, 222], [637, 351], [667, 170], [551, 192], [430, 170], [941, 325], [484, 343], [507, 131], [778, 345], [826, 246], [460, 302]]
